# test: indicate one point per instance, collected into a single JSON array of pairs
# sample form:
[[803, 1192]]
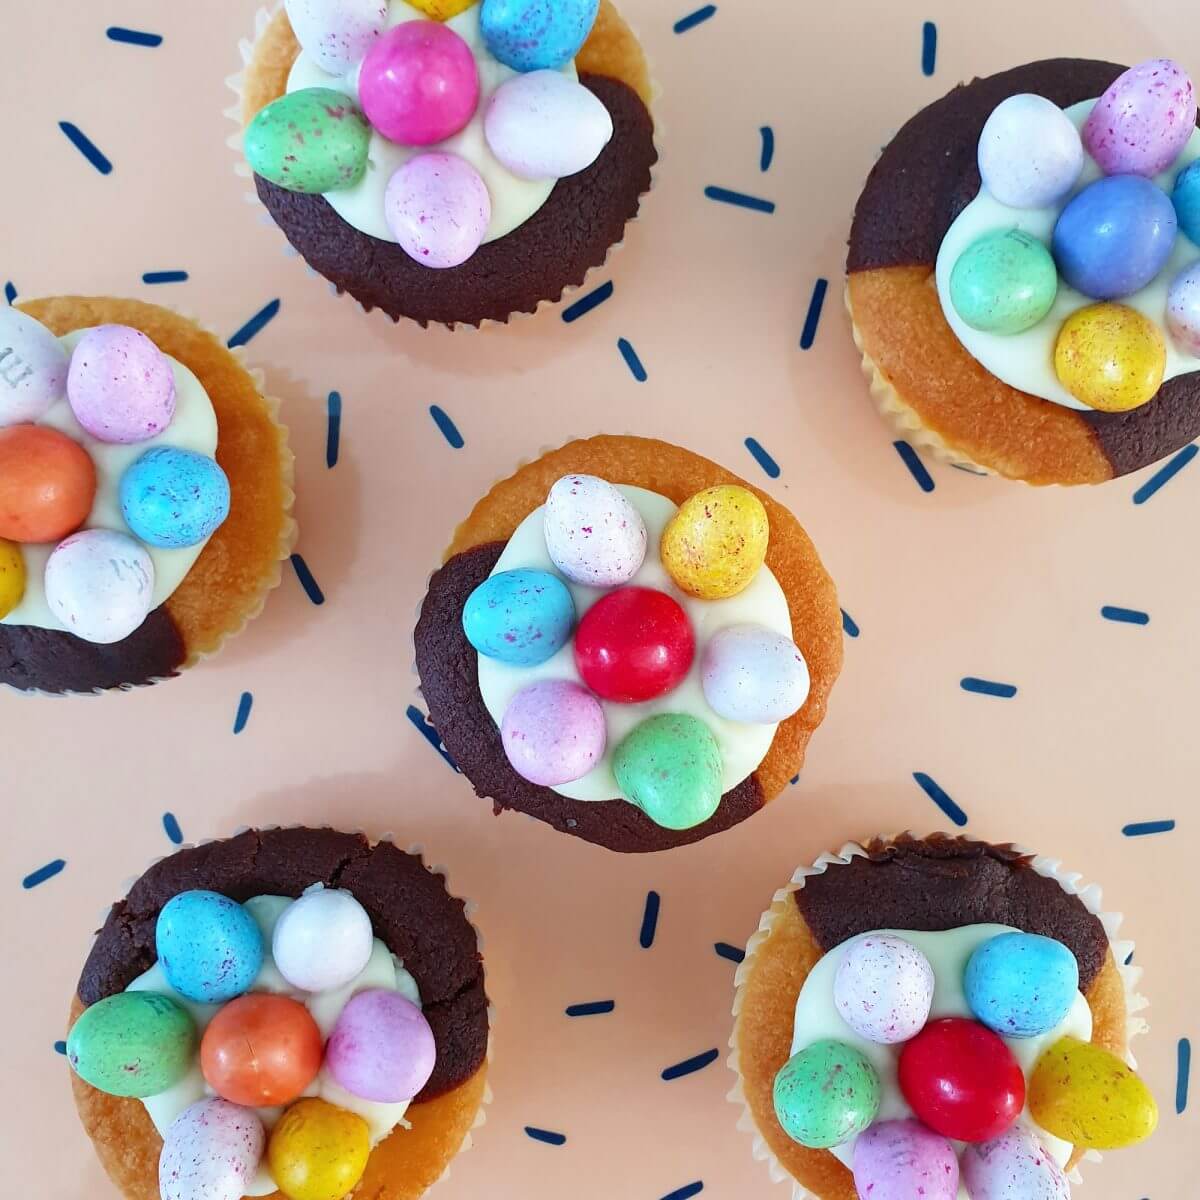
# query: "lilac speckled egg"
[[1142, 123], [211, 1152], [594, 535], [553, 732], [121, 386], [381, 1047], [1013, 1166], [337, 33], [883, 988], [323, 940], [546, 126], [438, 208], [100, 585], [33, 368], [902, 1160], [1183, 310], [753, 674], [1030, 154]]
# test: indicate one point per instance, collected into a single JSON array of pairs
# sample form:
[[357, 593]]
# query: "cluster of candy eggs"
[[418, 86], [1111, 239], [958, 1076], [260, 1050], [121, 391]]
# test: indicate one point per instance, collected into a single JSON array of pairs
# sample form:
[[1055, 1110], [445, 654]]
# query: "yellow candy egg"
[[318, 1151], [1085, 1095], [12, 577], [1110, 357], [715, 544], [441, 10]]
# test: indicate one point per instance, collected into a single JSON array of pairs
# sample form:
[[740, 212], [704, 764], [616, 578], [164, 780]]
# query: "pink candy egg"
[[883, 988], [120, 385], [1183, 310], [553, 732], [100, 585], [901, 1160], [594, 535], [211, 1152], [337, 33], [381, 1048], [1013, 1166], [33, 368], [438, 209]]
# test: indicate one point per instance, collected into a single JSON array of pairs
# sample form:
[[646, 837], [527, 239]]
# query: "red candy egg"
[[962, 1080], [634, 644], [47, 484]]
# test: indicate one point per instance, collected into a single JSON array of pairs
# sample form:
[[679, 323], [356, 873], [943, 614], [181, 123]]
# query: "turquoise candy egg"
[[537, 35], [1021, 985], [172, 498], [1004, 282], [1187, 201], [521, 617], [826, 1094], [670, 767], [132, 1044], [209, 946], [313, 141]]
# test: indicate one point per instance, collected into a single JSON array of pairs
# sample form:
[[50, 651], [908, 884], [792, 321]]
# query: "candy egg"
[[883, 988], [1014, 1166], [381, 1048], [1021, 984], [441, 10], [47, 484], [1004, 282], [1030, 154], [172, 497], [634, 644], [323, 940], [314, 140], [33, 368], [900, 1160], [337, 33], [438, 209], [419, 83], [1085, 1095], [1185, 197], [714, 546], [318, 1151], [100, 585], [1110, 357], [209, 946], [1142, 123], [1183, 310], [754, 674], [121, 386], [211, 1151], [1115, 236], [546, 126], [553, 732], [670, 767], [132, 1044], [522, 617], [12, 577], [594, 535], [535, 35], [826, 1094]]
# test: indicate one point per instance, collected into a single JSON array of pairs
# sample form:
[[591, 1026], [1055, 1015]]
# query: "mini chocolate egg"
[[553, 732], [312, 141], [172, 497], [323, 940], [1087, 1096], [209, 946], [33, 368], [1030, 155], [381, 1048], [1021, 984], [716, 543], [438, 209], [670, 767], [883, 988], [753, 674], [1143, 121], [1183, 310], [47, 484], [594, 535], [1110, 357], [211, 1151], [100, 585], [318, 1151], [121, 386], [522, 617], [826, 1094], [901, 1160], [1014, 1166], [546, 126], [1004, 282], [441, 10], [12, 577], [337, 33], [535, 35], [1185, 197], [132, 1044]]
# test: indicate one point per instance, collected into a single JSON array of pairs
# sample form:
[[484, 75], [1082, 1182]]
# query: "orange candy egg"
[[47, 484]]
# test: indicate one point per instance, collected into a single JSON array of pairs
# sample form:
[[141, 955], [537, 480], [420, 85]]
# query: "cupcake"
[[292, 1013], [446, 161], [629, 643], [145, 494], [1024, 272], [936, 1017]]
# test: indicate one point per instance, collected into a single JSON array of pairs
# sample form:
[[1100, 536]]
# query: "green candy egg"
[[670, 767], [313, 141], [132, 1044], [1004, 282], [826, 1094]]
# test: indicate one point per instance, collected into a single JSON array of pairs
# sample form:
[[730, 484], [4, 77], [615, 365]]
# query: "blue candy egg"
[[172, 498], [1115, 236], [537, 35], [520, 617], [210, 947], [1021, 985], [1187, 201]]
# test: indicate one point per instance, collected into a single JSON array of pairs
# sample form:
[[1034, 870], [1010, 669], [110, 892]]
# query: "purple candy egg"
[[883, 988], [901, 1160], [553, 732], [1183, 310], [381, 1047], [337, 33], [211, 1152], [120, 385], [1013, 1166], [438, 208]]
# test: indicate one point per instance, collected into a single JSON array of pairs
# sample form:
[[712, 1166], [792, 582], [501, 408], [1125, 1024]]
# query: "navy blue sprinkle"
[[740, 199], [585, 304], [690, 1066], [421, 723], [916, 467], [307, 582], [929, 40], [767, 157], [939, 797], [795, 780], [687, 1192], [255, 325], [10, 293], [34, 878], [988, 687], [165, 277], [763, 459], [171, 828], [1142, 828], [649, 920], [593, 1008], [60, 1047], [245, 703], [733, 953], [86, 147], [1183, 1072], [969, 470], [696, 18], [333, 428], [133, 37], [1128, 616], [545, 1135], [449, 430], [813, 319], [1129, 959], [1165, 475], [630, 355], [849, 625]]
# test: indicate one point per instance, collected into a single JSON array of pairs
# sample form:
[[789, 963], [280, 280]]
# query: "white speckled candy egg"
[[753, 674], [211, 1152], [1030, 154], [593, 534], [100, 585], [1013, 1166], [337, 33], [33, 368], [322, 940], [883, 988]]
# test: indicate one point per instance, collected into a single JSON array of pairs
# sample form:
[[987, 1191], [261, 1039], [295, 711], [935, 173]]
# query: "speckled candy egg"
[[1110, 357], [209, 946], [132, 1044], [1183, 310], [716, 543], [1004, 282], [323, 940], [594, 535], [670, 767], [121, 386], [337, 33], [441, 10], [172, 497], [753, 674], [1186, 198], [1030, 154], [1021, 984], [883, 988], [535, 35], [1142, 123], [47, 484], [902, 1160], [100, 585], [33, 368], [826, 1094], [12, 577], [522, 617], [381, 1047], [553, 732], [438, 209], [1014, 1166], [211, 1152], [318, 1151]]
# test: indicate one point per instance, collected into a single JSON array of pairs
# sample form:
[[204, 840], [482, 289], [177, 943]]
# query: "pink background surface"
[[977, 578]]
